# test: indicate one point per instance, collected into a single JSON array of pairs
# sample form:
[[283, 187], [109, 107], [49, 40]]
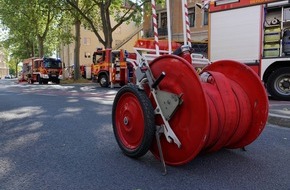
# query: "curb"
[[279, 115], [279, 120]]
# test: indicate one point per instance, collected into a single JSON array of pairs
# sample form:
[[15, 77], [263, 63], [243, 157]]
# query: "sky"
[[3, 33]]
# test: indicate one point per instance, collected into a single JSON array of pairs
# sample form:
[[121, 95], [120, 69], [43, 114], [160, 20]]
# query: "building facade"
[[124, 37], [128, 33], [4, 69], [198, 22]]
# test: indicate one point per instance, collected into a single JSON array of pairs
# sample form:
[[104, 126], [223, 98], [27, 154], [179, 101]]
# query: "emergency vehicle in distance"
[[256, 33], [117, 66], [42, 70], [109, 67]]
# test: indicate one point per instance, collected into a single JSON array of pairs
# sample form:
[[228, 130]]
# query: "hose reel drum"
[[177, 114]]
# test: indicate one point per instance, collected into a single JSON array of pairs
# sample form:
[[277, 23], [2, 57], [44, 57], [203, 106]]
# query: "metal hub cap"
[[283, 85], [103, 81], [126, 121]]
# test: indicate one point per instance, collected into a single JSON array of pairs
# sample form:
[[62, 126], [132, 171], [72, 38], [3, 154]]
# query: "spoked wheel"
[[133, 121]]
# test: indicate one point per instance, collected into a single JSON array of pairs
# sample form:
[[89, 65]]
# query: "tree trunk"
[[40, 46], [109, 40], [77, 49], [107, 29], [16, 69]]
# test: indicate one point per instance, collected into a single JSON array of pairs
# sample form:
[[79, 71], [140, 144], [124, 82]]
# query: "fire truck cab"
[[109, 67], [42, 70]]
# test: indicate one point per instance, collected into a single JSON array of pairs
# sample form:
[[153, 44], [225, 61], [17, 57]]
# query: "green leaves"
[[37, 27], [29, 23]]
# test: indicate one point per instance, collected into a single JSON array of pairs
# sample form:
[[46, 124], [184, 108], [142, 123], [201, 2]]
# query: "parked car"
[[8, 77]]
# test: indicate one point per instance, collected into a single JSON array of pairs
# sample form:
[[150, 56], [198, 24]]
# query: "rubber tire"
[[39, 79], [272, 80], [149, 122], [105, 77], [93, 78]]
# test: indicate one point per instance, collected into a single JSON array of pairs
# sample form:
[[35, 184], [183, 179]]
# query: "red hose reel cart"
[[176, 113]]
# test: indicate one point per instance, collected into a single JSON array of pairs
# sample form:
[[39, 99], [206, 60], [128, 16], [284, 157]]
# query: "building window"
[[87, 41], [161, 24], [163, 20], [205, 18], [87, 55], [191, 17]]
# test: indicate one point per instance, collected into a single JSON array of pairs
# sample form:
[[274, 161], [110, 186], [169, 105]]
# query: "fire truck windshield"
[[52, 63]]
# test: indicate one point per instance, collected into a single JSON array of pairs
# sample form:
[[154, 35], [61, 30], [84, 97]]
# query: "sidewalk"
[[279, 114]]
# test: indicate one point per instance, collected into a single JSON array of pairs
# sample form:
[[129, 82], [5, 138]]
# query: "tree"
[[18, 40], [29, 22], [10, 62], [74, 17], [97, 15], [35, 26]]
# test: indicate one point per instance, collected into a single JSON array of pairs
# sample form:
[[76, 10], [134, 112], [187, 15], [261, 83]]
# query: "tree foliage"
[[38, 27], [29, 23], [98, 15]]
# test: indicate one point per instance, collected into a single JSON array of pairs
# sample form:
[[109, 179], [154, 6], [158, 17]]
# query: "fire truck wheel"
[[278, 84], [57, 81], [39, 79], [104, 81], [93, 78], [133, 121], [45, 81]]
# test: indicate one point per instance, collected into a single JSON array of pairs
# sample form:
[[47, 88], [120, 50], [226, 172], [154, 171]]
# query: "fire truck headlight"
[[60, 77], [45, 76]]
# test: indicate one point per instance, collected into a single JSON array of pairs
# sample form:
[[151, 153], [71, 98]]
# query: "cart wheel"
[[133, 121]]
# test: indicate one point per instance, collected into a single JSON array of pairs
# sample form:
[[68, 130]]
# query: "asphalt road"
[[60, 137]]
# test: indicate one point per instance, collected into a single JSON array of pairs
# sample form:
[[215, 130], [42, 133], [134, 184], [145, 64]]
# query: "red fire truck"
[[42, 70], [109, 67], [117, 66], [256, 33]]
